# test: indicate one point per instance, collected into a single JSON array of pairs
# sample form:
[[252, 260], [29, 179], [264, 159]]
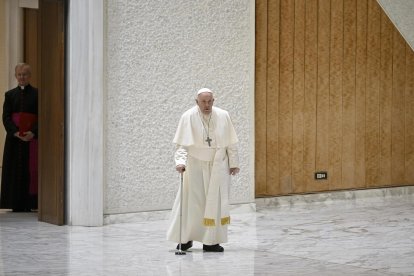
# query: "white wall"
[[401, 14], [158, 54]]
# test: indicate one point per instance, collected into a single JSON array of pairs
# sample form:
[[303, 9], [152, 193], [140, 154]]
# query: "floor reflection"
[[346, 237]]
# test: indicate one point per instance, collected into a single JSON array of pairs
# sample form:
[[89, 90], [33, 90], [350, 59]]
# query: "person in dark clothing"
[[19, 173]]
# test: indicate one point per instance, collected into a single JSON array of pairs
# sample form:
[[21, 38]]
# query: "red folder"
[[26, 122]]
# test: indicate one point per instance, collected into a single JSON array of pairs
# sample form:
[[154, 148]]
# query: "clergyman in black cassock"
[[19, 172]]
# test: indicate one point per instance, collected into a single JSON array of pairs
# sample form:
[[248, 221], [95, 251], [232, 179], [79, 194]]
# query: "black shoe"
[[185, 246], [213, 248], [19, 210]]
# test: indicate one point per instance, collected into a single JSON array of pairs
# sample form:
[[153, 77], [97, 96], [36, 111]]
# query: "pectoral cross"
[[208, 140]]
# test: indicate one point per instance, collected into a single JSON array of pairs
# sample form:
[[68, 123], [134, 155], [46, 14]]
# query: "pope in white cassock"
[[207, 156]]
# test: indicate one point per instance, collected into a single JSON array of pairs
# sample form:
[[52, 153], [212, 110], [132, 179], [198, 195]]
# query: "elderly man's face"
[[205, 102], [23, 75]]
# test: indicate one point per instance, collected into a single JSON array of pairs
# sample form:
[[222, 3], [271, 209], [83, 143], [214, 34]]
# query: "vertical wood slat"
[[311, 71], [385, 100], [298, 97], [286, 95], [360, 89], [372, 95], [272, 113], [335, 94], [349, 91], [398, 113], [260, 97], [322, 120], [409, 116]]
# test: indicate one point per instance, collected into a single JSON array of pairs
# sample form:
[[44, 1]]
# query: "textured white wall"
[[158, 54], [401, 14]]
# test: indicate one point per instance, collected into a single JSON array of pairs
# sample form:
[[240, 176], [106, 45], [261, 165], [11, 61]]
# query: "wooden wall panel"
[[322, 110], [273, 68], [348, 95], [298, 97], [398, 114], [360, 89], [334, 92], [260, 97], [309, 113], [409, 116], [372, 95], [286, 95], [385, 100]]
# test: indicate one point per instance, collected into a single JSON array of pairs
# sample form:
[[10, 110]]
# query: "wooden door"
[[52, 111]]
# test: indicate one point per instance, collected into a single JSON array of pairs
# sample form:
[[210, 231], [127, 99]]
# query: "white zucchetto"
[[202, 90]]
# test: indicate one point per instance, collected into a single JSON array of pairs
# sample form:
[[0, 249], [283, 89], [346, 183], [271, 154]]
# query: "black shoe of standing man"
[[185, 246], [213, 248]]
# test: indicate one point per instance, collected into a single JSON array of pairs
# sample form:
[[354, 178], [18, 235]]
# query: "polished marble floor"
[[352, 236]]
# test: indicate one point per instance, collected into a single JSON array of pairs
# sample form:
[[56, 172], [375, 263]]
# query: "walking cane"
[[180, 252]]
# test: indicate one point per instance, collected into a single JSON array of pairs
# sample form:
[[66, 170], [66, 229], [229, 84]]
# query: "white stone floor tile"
[[364, 237]]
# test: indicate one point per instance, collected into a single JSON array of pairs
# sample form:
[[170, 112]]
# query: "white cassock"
[[206, 180]]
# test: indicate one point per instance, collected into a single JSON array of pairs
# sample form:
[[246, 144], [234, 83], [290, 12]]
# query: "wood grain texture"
[[286, 94], [322, 110], [334, 92], [372, 95], [309, 113], [272, 98], [385, 100], [349, 95], [398, 113], [360, 90], [409, 116], [52, 101], [298, 185], [31, 45], [260, 97]]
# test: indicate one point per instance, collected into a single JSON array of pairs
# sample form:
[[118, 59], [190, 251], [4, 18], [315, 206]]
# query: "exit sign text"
[[321, 175]]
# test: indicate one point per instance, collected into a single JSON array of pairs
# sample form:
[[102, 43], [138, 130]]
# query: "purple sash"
[[32, 158]]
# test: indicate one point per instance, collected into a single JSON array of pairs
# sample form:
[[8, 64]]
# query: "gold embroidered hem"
[[209, 222], [225, 221]]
